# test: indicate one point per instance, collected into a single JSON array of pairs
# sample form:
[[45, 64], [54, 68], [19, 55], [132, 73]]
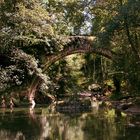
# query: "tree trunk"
[[33, 89], [134, 49]]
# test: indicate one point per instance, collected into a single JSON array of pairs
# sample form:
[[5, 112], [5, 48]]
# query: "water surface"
[[43, 124]]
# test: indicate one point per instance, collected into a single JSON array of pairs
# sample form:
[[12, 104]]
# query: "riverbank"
[[130, 105]]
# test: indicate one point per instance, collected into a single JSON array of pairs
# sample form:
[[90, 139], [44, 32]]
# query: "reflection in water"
[[32, 113], [3, 102], [39, 124]]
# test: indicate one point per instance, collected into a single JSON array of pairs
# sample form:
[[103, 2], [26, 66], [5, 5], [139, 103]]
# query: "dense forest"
[[35, 34]]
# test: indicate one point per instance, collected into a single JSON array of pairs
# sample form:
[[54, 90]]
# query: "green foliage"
[[31, 31], [23, 25], [118, 28]]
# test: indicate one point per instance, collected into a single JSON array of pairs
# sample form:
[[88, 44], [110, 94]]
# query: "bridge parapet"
[[79, 44]]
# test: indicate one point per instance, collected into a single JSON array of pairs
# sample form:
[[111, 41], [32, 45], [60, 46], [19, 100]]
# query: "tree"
[[31, 31], [119, 30], [25, 28]]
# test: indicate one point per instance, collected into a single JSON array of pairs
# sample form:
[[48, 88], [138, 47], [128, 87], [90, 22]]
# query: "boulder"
[[94, 87]]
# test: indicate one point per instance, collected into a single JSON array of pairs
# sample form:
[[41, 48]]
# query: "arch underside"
[[100, 51]]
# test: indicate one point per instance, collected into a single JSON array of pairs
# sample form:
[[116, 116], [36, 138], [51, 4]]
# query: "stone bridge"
[[73, 45], [78, 44]]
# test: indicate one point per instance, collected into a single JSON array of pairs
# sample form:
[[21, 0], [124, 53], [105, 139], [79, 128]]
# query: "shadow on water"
[[42, 124]]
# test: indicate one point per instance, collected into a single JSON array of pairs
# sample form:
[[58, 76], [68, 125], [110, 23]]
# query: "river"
[[43, 124]]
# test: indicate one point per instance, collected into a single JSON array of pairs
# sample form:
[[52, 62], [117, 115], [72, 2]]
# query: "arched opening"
[[85, 46]]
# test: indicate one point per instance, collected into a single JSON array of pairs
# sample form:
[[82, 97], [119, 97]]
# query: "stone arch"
[[75, 44], [100, 51]]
